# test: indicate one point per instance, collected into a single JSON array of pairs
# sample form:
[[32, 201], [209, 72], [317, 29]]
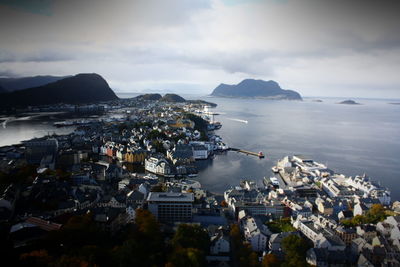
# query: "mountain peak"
[[79, 89]]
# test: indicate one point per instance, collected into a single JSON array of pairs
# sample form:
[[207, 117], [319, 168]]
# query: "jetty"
[[259, 154]]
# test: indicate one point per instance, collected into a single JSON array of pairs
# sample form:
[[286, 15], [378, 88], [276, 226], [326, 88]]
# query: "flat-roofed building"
[[36, 149], [171, 207], [303, 159]]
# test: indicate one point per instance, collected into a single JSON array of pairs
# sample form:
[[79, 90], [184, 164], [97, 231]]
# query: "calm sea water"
[[13, 130], [349, 139]]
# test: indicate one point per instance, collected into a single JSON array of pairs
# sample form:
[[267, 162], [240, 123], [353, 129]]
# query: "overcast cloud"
[[319, 48]]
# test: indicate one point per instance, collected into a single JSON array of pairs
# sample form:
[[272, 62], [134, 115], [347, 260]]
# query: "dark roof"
[[135, 195]]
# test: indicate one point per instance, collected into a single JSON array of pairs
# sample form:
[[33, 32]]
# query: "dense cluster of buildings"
[[109, 167]]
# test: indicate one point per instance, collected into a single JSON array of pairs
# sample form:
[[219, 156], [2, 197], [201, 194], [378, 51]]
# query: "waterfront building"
[[157, 165], [370, 188], [200, 152], [171, 207], [333, 189], [181, 154]]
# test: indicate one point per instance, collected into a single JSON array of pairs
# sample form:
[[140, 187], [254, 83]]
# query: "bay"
[[350, 139]]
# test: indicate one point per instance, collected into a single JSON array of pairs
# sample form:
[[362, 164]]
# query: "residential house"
[[255, 233], [220, 243]]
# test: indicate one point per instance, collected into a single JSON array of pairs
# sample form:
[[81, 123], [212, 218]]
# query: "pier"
[[259, 154]]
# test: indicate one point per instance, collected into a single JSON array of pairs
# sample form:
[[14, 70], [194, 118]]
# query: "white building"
[[157, 166], [370, 188], [321, 237], [255, 233]]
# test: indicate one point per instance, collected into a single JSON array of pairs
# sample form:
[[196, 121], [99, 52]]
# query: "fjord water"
[[13, 130], [350, 139]]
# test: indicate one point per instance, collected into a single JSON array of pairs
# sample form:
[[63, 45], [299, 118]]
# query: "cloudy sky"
[[317, 47]]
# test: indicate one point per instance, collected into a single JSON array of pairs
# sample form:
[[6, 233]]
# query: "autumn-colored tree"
[[144, 246], [147, 223], [243, 254], [224, 204], [182, 257], [71, 261], [270, 260], [35, 258], [376, 214]]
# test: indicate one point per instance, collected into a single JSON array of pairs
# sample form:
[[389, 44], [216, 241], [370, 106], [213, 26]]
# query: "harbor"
[[249, 153]]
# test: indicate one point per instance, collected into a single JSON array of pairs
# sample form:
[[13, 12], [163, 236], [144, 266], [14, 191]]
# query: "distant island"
[[250, 88], [395, 103], [349, 102], [317, 100], [78, 89], [173, 98]]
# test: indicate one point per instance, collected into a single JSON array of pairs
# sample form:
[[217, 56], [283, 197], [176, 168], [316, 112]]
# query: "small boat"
[[275, 169], [271, 181], [274, 181], [214, 126]]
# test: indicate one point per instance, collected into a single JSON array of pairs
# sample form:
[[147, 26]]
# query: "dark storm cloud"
[[309, 44], [34, 56], [7, 74], [356, 24], [42, 7]]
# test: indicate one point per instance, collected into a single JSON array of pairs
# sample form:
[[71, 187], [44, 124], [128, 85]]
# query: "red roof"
[[43, 224]]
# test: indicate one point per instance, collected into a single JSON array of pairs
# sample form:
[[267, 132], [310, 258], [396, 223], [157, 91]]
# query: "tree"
[[243, 253], [182, 257], [376, 214], [147, 224], [191, 236], [295, 249], [159, 147], [144, 246], [35, 258], [270, 260]]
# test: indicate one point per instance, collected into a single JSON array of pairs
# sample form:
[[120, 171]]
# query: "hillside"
[[152, 97], [172, 98], [15, 84], [250, 88], [78, 89]]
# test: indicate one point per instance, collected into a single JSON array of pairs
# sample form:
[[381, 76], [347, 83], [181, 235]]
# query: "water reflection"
[[349, 139]]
